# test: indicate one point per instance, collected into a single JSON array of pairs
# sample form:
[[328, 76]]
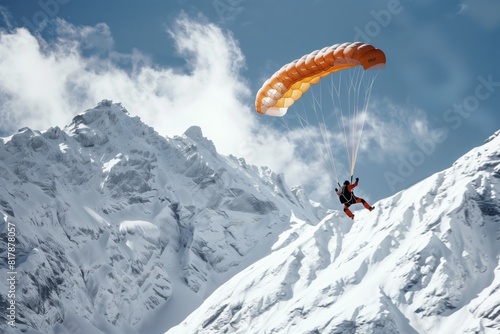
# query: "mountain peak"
[[105, 108], [479, 158], [194, 133], [493, 136], [107, 120]]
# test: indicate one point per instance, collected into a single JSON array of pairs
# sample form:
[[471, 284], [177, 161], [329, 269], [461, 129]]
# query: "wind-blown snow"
[[120, 230]]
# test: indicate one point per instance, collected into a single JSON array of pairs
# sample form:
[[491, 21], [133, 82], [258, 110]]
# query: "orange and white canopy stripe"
[[288, 84]]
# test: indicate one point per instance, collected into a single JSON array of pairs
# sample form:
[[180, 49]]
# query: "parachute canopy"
[[288, 84]]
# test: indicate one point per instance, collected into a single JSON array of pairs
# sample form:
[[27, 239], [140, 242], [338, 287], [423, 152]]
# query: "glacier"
[[121, 230]]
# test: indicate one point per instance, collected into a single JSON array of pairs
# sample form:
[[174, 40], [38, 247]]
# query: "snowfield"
[[121, 230]]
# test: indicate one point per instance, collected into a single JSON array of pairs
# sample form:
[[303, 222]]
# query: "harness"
[[345, 196]]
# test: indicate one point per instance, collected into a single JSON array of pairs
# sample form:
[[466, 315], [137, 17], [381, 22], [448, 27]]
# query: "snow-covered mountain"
[[426, 261], [120, 230]]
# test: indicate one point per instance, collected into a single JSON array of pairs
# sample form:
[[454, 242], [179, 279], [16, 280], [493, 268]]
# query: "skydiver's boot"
[[367, 206], [348, 212]]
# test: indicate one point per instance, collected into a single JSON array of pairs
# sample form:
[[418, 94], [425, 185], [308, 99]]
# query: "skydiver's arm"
[[353, 185]]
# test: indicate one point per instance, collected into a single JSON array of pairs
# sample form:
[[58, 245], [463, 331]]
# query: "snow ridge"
[[426, 261]]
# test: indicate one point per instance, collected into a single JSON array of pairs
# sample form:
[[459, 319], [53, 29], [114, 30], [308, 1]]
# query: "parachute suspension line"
[[307, 140], [335, 93], [350, 103], [363, 106], [353, 112], [325, 136], [352, 117], [327, 158], [356, 78]]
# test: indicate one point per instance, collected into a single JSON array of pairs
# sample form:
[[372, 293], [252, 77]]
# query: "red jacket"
[[350, 187]]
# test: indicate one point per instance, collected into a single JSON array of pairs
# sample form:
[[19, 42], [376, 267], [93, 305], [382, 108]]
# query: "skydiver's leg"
[[348, 212], [365, 204]]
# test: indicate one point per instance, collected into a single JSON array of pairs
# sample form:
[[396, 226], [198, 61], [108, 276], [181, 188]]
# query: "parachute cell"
[[289, 83]]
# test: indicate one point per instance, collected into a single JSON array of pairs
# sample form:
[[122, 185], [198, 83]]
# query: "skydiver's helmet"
[[346, 183]]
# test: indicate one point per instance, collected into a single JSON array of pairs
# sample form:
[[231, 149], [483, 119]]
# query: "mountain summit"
[[120, 230]]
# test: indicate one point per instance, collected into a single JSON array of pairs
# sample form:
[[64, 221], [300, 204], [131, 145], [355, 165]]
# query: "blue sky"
[[181, 63]]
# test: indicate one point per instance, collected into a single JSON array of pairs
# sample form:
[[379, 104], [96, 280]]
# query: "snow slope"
[[425, 261], [120, 230]]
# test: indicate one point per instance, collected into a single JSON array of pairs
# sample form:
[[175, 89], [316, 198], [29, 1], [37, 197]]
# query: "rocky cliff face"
[[116, 225]]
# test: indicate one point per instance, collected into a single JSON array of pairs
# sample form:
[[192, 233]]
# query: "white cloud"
[[298, 152], [392, 129], [97, 38], [32, 83], [46, 83]]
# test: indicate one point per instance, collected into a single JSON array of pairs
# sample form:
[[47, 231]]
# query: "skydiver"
[[347, 197]]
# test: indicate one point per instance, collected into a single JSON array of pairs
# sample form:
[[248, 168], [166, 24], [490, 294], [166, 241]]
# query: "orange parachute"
[[288, 84]]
